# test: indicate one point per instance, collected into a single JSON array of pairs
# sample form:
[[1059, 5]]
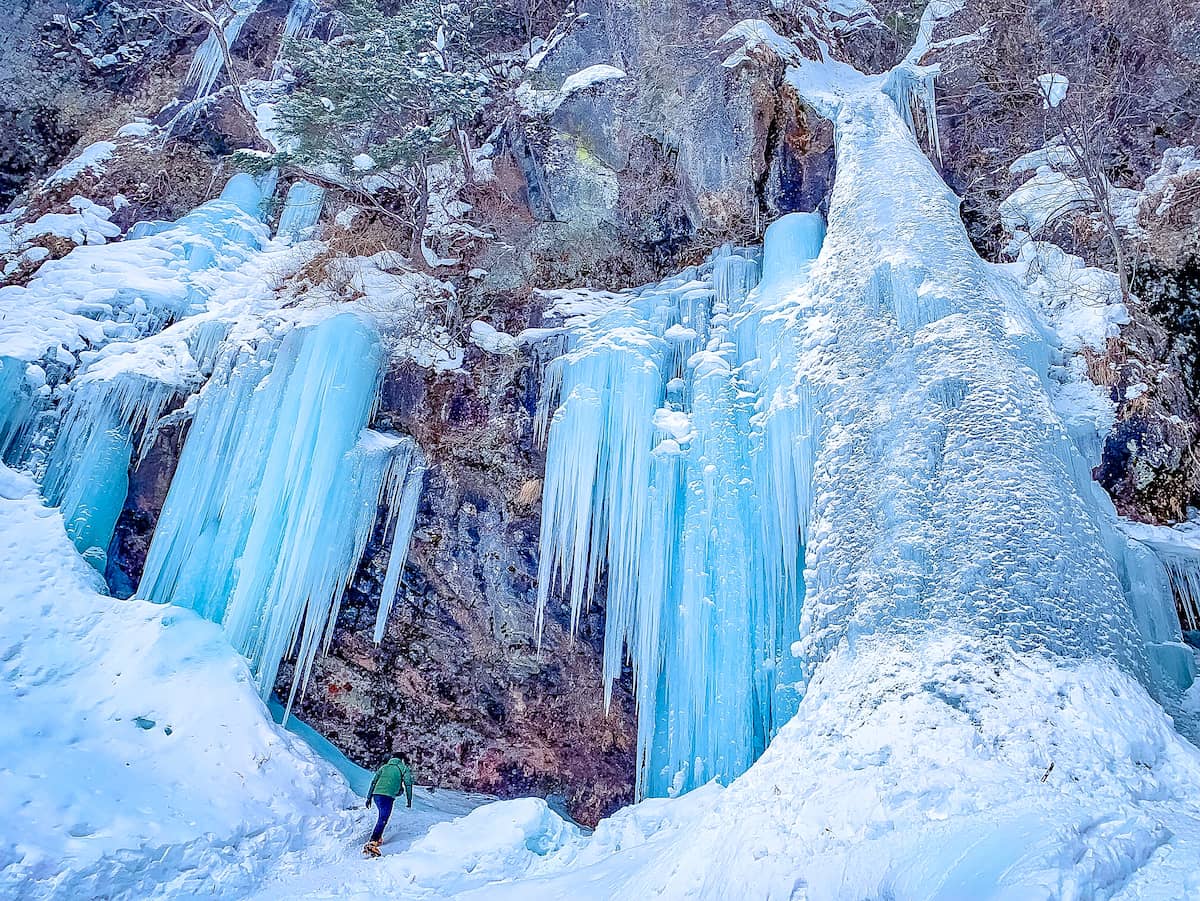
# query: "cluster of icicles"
[[679, 464], [279, 483]]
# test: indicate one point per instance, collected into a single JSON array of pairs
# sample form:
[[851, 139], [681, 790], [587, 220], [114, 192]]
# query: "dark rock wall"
[[458, 678]]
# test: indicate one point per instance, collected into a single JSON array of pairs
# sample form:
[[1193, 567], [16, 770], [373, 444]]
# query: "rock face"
[[458, 678]]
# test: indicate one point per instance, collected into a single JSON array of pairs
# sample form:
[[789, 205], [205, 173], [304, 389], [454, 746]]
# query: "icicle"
[[208, 61], [276, 493], [16, 405], [302, 14], [88, 469], [913, 91], [655, 474], [301, 211], [402, 493]]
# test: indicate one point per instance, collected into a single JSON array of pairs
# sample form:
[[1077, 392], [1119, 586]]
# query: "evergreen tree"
[[389, 96]]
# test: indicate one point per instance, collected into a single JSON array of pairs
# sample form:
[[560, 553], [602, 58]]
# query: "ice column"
[[87, 475], [16, 404], [277, 490], [301, 210], [658, 477], [207, 62]]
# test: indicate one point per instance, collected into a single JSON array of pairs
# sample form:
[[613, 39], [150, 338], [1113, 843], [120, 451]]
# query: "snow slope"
[[136, 754]]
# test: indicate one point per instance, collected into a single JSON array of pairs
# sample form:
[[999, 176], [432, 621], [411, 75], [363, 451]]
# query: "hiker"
[[392, 777]]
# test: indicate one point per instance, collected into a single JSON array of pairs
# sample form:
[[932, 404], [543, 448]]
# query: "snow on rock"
[[589, 77], [1053, 86], [1042, 201], [91, 161], [89, 224], [96, 294], [1180, 167], [1055, 154], [487, 338], [1083, 302], [139, 128]]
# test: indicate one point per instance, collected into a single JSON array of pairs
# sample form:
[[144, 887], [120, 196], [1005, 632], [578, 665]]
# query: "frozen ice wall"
[[277, 490], [865, 445], [280, 481], [658, 474], [91, 321]]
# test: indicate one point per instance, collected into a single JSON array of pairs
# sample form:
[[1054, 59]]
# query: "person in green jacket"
[[393, 777]]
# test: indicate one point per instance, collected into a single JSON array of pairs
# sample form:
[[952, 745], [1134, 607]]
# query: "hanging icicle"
[[666, 472]]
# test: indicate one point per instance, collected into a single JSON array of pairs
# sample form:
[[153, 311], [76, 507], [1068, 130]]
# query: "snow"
[[487, 338], [1179, 165], [136, 129], [363, 162], [138, 757], [87, 225], [91, 160], [589, 77], [1053, 86], [1041, 201]]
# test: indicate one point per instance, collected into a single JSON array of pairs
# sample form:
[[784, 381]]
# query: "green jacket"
[[391, 778]]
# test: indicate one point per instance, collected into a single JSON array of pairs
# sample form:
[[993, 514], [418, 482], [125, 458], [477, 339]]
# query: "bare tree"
[[1106, 52], [215, 14]]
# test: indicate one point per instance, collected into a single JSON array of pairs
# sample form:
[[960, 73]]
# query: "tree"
[[388, 97], [1109, 57]]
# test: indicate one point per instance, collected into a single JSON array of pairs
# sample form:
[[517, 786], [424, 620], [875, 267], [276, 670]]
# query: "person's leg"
[[384, 805]]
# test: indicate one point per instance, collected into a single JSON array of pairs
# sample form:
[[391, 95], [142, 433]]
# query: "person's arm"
[[371, 790]]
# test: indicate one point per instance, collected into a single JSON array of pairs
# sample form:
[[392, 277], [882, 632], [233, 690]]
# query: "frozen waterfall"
[[862, 445], [667, 470], [277, 490], [280, 482]]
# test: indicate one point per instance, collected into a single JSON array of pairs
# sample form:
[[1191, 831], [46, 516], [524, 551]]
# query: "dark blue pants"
[[384, 805]]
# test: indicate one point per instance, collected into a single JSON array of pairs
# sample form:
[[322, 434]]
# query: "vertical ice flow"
[[277, 491], [662, 470]]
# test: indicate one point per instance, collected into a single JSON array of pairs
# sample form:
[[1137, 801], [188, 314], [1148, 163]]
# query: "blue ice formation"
[[301, 210], [302, 15], [280, 481], [134, 289], [206, 64], [276, 493], [842, 453], [665, 469], [16, 405]]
